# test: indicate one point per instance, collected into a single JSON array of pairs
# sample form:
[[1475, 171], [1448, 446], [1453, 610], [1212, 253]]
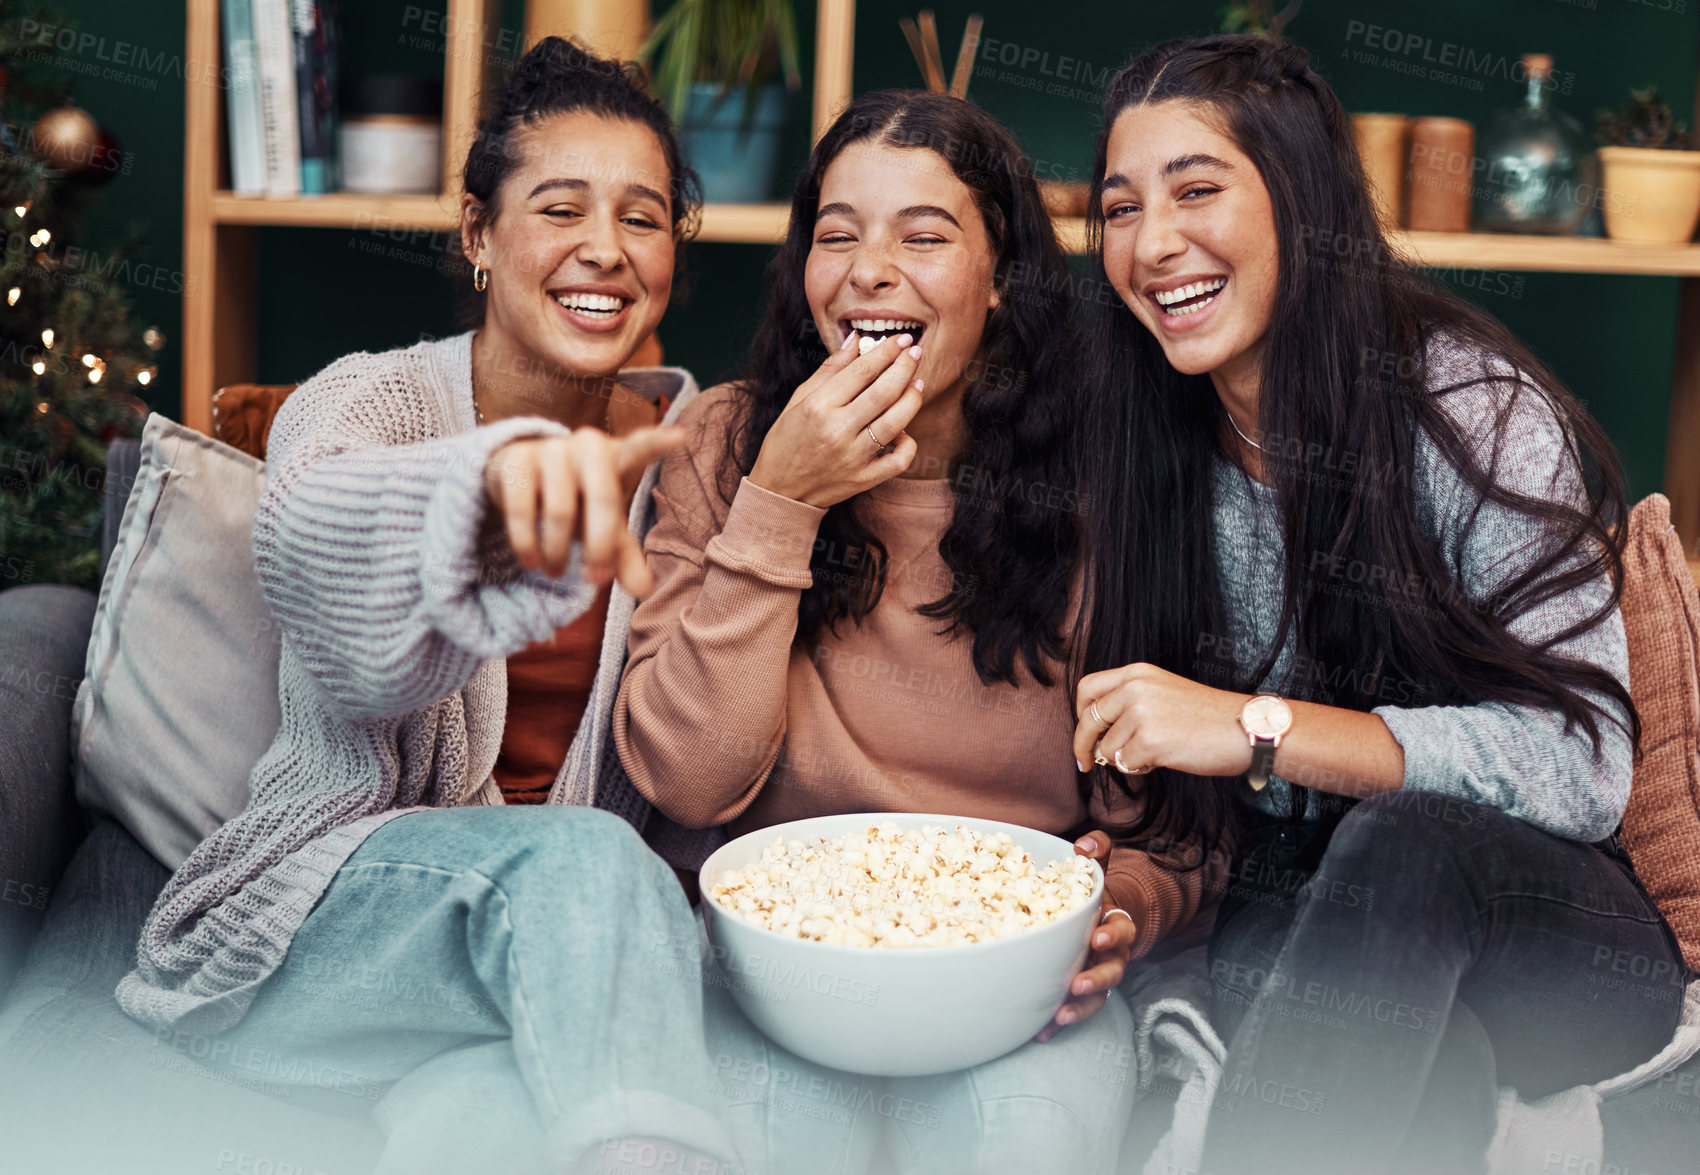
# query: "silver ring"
[[879, 445], [1097, 717], [1126, 770], [1114, 910]]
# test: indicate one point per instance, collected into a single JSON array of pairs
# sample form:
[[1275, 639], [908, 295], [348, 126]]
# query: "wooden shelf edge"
[[338, 210], [764, 224], [1547, 254], [1504, 251]]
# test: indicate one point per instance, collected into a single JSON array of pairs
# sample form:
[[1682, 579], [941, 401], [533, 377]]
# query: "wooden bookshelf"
[[219, 228]]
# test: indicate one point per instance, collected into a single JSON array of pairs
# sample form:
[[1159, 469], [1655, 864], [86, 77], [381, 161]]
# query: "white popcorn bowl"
[[897, 1012]]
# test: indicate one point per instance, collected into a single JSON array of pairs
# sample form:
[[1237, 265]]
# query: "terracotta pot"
[[1442, 166], [613, 28], [1651, 195], [1381, 144]]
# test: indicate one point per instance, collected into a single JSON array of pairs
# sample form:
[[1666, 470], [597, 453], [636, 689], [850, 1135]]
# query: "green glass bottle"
[[1540, 171]]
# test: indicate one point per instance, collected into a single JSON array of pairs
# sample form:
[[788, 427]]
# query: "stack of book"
[[281, 57]]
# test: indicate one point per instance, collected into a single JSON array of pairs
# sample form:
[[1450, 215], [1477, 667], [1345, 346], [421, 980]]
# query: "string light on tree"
[[59, 416]]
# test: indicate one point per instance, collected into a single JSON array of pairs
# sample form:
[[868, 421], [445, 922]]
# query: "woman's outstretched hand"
[[821, 449], [552, 491], [1111, 946]]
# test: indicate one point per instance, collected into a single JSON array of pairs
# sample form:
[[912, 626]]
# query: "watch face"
[[1266, 716]]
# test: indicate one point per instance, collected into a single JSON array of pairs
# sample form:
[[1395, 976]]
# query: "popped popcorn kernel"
[[885, 887]]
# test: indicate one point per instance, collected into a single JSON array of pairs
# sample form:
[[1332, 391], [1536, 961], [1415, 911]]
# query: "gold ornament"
[[67, 138]]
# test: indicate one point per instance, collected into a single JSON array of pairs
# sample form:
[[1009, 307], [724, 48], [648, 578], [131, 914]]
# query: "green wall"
[[326, 292]]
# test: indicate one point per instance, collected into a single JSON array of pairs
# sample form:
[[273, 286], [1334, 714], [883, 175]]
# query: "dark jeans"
[[1376, 985]]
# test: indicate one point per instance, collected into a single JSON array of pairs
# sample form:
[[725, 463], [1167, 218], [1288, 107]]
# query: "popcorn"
[[884, 887]]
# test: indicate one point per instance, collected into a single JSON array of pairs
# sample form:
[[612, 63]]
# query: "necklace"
[[607, 416], [1242, 435]]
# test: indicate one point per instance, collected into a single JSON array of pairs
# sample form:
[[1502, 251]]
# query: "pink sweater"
[[723, 717]]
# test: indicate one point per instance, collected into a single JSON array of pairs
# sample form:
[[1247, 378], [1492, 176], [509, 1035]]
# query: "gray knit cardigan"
[[397, 606]]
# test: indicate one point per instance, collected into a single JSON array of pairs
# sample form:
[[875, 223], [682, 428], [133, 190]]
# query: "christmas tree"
[[71, 358]]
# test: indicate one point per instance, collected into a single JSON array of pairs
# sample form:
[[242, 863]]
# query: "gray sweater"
[[1517, 759], [397, 607]]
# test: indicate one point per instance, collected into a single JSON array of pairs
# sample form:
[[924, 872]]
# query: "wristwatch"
[[1265, 719]]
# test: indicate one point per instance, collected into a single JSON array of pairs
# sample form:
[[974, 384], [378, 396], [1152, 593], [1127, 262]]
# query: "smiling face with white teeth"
[[1189, 241], [900, 247], [580, 257]]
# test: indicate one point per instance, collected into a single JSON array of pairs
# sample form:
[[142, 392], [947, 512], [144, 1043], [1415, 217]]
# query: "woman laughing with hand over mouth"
[[867, 563]]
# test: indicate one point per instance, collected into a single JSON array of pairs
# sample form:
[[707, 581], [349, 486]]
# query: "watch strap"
[[1262, 762]]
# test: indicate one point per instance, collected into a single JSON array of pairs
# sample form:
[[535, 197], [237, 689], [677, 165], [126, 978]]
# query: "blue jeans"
[[1378, 985], [1062, 1106], [497, 968]]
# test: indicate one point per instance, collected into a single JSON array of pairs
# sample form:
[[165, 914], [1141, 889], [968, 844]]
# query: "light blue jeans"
[[510, 990], [1062, 1106], [498, 968]]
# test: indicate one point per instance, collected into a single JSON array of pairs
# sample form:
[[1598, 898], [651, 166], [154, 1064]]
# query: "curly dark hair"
[[1013, 540]]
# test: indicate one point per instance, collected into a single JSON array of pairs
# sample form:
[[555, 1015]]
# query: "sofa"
[[84, 1089]]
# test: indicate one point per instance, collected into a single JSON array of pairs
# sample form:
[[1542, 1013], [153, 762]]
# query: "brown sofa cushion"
[[242, 415], [1661, 614]]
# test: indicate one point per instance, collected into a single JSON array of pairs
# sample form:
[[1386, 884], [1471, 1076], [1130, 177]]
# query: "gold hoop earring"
[[480, 278]]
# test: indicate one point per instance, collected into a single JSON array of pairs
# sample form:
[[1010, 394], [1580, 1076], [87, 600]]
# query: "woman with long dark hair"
[[1354, 572], [866, 564]]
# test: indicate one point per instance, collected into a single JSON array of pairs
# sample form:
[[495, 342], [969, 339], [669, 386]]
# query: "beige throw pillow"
[[179, 698]]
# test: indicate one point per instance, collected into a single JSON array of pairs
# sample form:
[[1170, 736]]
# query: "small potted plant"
[[1652, 172], [705, 54], [1259, 16]]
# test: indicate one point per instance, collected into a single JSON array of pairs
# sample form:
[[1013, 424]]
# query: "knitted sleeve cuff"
[[489, 610], [1147, 892], [768, 535]]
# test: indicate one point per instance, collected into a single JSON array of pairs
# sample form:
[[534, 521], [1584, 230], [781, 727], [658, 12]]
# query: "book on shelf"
[[242, 116], [314, 25], [274, 50]]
